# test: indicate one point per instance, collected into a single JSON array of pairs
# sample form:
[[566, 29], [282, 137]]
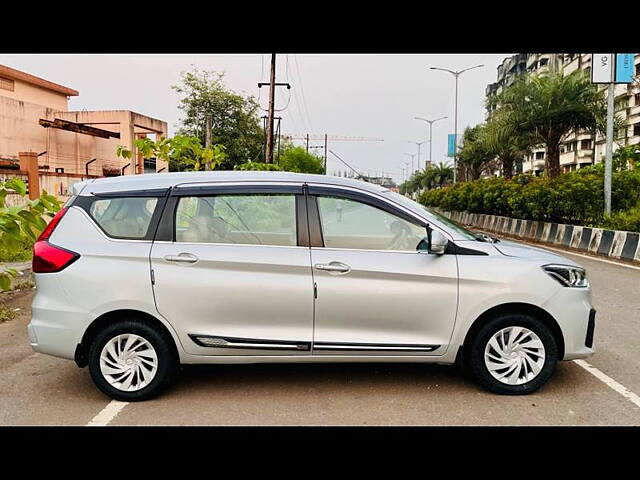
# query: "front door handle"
[[182, 258], [333, 267]]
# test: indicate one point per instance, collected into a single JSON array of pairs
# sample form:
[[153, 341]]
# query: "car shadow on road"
[[314, 374]]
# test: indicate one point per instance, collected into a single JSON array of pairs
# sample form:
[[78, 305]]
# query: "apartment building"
[[579, 149], [69, 145]]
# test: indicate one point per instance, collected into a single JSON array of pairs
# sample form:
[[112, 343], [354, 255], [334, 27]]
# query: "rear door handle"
[[333, 267], [181, 258]]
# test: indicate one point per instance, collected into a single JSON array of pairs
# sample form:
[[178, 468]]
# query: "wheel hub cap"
[[514, 355], [128, 362]]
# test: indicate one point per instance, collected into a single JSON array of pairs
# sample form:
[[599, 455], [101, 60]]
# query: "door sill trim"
[[378, 347]]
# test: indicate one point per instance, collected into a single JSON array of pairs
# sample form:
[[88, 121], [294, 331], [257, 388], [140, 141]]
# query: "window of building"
[[150, 165], [539, 155], [124, 217], [638, 70], [251, 219], [636, 130], [585, 145], [355, 225], [637, 99], [6, 84], [543, 61]]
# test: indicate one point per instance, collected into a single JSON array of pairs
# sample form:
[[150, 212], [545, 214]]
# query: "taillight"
[[48, 258], [48, 230]]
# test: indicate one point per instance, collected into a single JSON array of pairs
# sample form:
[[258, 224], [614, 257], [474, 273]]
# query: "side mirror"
[[435, 243], [438, 243]]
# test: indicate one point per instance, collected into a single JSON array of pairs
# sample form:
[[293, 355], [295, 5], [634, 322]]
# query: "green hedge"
[[575, 198]]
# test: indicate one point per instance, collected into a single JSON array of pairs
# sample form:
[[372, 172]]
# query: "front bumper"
[[572, 309]]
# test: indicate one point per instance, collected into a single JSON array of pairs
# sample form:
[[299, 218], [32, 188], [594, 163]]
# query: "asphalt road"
[[36, 389]]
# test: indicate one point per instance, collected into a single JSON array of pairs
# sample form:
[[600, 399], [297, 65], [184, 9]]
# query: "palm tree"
[[506, 144], [546, 108], [474, 157], [440, 174]]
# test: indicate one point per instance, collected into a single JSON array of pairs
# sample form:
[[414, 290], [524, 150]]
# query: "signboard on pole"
[[624, 67], [602, 67], [451, 145]]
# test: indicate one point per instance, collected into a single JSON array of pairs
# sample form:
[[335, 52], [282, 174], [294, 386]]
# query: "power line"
[[338, 157], [304, 101]]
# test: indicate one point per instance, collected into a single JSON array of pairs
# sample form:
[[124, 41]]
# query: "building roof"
[[33, 80], [166, 180]]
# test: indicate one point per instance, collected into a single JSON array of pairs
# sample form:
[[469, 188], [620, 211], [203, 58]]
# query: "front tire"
[[513, 354], [130, 360]]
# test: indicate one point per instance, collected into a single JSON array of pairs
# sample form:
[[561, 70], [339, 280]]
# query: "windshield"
[[407, 202]]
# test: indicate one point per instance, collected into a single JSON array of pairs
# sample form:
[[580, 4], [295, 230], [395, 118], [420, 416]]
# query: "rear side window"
[[253, 219], [124, 217]]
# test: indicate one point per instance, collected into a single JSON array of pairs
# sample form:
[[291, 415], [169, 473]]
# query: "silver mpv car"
[[137, 275]]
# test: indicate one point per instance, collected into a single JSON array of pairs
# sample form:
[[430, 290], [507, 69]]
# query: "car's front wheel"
[[130, 360], [513, 354]]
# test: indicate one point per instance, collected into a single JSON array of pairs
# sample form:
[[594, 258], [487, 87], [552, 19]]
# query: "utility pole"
[[272, 95], [455, 121], [307, 143], [430, 122], [608, 160], [270, 120], [207, 141]]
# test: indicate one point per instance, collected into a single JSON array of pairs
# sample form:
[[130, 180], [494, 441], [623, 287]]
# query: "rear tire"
[[513, 354], [130, 360]]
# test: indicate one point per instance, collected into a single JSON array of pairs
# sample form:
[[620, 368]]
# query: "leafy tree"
[[290, 158], [182, 152], [258, 166], [22, 223], [297, 159], [235, 118], [546, 108]]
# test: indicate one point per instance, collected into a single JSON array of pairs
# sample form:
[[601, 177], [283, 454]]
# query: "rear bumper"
[[57, 333]]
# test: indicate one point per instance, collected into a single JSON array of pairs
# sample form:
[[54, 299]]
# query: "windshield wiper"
[[483, 237]]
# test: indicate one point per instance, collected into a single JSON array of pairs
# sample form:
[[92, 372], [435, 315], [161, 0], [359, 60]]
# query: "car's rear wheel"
[[130, 360], [513, 354]]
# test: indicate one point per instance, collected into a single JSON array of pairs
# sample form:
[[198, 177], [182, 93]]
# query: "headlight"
[[567, 275]]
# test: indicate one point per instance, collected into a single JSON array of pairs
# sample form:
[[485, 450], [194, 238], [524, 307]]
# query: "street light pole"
[[430, 122], [412, 155], [418, 144], [455, 121], [608, 160]]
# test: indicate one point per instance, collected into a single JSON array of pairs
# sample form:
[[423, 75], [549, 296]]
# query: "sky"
[[370, 95]]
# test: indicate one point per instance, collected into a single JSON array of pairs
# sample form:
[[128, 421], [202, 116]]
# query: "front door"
[[234, 279], [376, 294]]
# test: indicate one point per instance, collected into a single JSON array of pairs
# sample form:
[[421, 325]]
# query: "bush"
[[628, 220], [576, 197]]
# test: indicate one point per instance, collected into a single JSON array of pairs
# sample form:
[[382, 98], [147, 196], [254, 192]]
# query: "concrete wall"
[[611, 243], [29, 93]]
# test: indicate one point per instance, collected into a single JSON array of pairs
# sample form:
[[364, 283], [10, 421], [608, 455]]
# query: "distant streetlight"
[[430, 122], [418, 144], [455, 121], [412, 155]]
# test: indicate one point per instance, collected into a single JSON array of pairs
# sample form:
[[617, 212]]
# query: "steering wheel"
[[401, 233]]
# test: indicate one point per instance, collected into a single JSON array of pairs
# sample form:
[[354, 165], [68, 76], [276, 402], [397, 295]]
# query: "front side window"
[[254, 219], [355, 225], [124, 217]]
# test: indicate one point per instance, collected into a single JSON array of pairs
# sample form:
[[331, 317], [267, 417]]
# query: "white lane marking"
[[619, 264], [107, 414], [610, 382]]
